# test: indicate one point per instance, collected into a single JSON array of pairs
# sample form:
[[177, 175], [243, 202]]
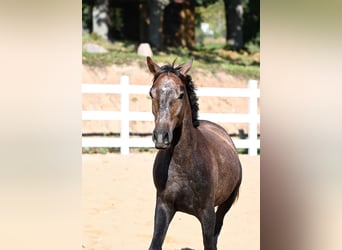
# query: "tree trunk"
[[179, 24], [143, 23], [155, 8], [234, 15], [101, 18]]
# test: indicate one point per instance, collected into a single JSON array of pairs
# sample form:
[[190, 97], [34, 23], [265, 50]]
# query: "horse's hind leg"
[[223, 209], [207, 219], [162, 218]]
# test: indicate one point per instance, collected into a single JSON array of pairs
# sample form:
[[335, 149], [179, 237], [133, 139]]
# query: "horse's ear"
[[152, 66], [184, 68]]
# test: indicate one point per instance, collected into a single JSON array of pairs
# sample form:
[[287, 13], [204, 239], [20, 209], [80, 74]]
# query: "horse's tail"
[[235, 194], [225, 206]]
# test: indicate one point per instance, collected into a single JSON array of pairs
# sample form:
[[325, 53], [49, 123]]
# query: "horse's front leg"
[[162, 218], [207, 218]]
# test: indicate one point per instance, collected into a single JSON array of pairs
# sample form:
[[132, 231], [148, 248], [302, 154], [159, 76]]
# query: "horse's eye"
[[181, 96]]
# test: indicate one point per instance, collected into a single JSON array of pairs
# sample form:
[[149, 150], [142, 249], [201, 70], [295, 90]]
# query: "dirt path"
[[119, 199]]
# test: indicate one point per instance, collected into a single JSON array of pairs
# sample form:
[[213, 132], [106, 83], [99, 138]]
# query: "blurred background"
[[192, 24], [218, 34]]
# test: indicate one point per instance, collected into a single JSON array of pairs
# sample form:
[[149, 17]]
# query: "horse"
[[197, 167]]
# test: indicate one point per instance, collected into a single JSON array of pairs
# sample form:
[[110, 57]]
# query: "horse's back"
[[226, 159], [217, 135]]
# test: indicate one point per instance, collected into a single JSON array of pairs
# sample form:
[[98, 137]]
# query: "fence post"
[[253, 123], [124, 132]]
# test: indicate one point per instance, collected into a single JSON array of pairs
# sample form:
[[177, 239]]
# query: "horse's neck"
[[185, 134], [182, 154]]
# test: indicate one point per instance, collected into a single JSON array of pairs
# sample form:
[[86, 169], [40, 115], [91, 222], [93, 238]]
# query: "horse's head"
[[169, 95]]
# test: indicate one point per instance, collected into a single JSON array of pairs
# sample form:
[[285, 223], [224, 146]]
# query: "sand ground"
[[119, 200]]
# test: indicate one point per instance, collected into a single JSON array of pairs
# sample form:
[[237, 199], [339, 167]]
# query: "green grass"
[[99, 150], [211, 57]]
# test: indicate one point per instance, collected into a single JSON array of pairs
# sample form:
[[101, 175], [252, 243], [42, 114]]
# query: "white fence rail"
[[252, 143]]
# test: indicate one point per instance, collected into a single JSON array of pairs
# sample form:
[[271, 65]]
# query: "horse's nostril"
[[154, 138], [161, 137], [166, 138]]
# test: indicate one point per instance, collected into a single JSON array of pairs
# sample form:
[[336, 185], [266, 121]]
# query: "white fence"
[[125, 116]]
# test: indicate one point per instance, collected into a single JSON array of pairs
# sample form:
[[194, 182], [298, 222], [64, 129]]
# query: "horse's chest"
[[184, 193], [180, 195]]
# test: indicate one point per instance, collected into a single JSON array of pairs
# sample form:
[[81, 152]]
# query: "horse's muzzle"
[[161, 138]]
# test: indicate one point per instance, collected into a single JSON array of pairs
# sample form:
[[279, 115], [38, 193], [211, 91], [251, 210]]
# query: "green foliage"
[[86, 16], [211, 56], [115, 15], [214, 15], [253, 46], [100, 150], [95, 37], [205, 3], [119, 52], [242, 151], [144, 149], [214, 57]]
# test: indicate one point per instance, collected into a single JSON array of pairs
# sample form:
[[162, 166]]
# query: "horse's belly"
[[225, 164], [226, 179]]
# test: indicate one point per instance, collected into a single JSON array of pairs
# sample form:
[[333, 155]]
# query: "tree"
[[155, 10], [101, 18], [251, 21], [171, 22], [87, 15], [179, 24], [234, 18]]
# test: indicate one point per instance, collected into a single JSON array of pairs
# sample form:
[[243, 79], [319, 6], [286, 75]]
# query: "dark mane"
[[190, 88]]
